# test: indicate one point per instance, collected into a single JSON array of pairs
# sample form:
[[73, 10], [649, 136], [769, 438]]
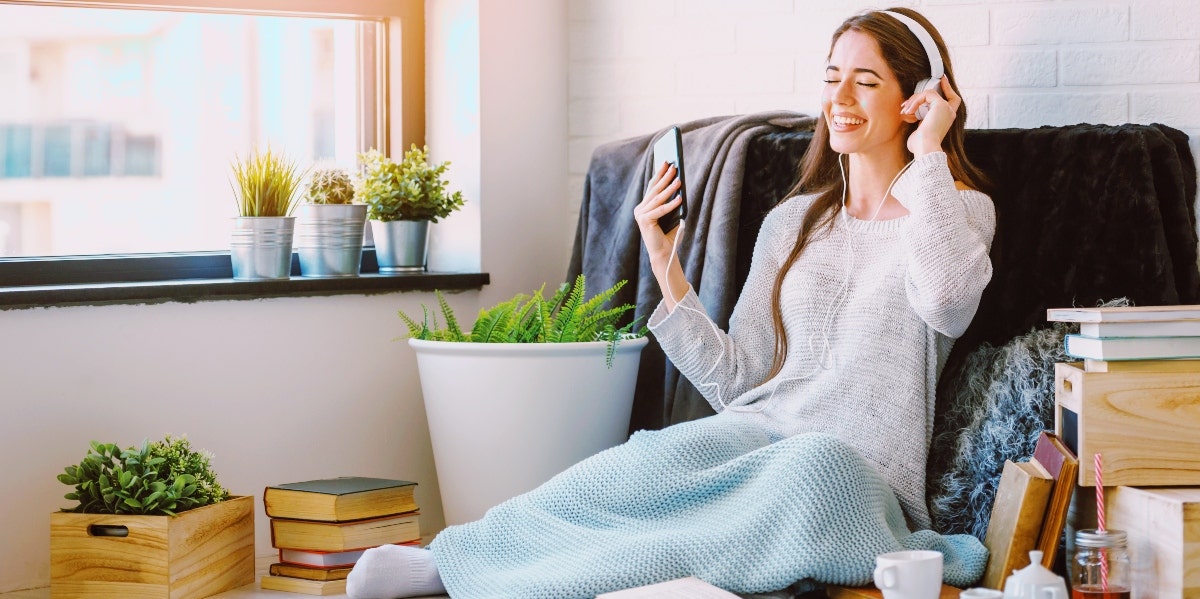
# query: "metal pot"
[[401, 245], [261, 247], [329, 239]]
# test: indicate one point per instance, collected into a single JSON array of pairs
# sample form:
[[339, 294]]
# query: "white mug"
[[909, 574]]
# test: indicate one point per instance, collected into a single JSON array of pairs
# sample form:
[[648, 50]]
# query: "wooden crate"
[[1145, 424], [1163, 525], [201, 552]]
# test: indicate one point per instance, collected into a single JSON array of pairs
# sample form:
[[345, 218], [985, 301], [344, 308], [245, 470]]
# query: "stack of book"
[[321, 528], [1132, 334]]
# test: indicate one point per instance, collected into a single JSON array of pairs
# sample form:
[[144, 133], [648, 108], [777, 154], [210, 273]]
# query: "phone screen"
[[669, 148]]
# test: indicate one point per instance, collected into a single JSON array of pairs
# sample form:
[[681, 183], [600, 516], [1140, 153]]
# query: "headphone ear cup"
[[926, 85]]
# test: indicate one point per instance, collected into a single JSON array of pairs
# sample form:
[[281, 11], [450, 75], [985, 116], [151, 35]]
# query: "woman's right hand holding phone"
[[661, 199]]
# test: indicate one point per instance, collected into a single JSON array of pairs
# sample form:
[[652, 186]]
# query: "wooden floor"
[[250, 591]]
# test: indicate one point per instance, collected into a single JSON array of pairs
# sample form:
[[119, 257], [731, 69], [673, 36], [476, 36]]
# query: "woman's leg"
[[394, 571]]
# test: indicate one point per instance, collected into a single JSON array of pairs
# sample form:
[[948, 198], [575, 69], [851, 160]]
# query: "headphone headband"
[[936, 69]]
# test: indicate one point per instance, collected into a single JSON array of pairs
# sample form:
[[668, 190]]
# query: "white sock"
[[394, 571]]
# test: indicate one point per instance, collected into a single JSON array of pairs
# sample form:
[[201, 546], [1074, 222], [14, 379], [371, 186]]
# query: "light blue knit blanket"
[[712, 498]]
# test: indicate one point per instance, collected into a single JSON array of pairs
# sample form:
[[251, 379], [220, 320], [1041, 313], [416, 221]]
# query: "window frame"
[[394, 90]]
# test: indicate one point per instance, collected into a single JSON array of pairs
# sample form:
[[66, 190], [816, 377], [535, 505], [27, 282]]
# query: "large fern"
[[565, 317]]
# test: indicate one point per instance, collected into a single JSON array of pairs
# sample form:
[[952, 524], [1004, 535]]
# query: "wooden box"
[[1146, 425], [199, 553], [1163, 525]]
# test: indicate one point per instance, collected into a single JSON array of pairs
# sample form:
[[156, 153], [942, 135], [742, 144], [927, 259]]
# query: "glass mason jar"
[[1101, 568]]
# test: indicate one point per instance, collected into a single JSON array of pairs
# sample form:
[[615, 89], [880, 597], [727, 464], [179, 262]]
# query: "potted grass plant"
[[551, 382], [329, 226], [402, 200], [149, 522], [265, 187]]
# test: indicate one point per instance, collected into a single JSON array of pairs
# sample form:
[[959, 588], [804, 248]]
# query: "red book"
[[327, 559], [1063, 466]]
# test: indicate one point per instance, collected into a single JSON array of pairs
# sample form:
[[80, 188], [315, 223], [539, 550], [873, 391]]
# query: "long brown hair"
[[819, 173]]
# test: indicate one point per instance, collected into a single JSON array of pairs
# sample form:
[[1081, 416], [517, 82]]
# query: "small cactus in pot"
[[329, 233], [330, 186]]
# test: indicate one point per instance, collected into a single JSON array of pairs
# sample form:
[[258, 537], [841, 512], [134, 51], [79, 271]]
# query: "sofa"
[[1085, 214]]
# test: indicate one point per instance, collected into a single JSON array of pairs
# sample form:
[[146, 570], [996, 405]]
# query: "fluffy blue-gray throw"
[[1003, 399], [712, 498]]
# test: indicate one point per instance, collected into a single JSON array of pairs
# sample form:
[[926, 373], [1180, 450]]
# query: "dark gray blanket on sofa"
[[1085, 213], [608, 245]]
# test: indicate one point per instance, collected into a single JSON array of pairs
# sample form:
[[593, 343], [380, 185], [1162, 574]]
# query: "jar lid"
[[1098, 538]]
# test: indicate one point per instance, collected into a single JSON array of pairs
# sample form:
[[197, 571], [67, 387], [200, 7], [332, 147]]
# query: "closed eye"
[[833, 81]]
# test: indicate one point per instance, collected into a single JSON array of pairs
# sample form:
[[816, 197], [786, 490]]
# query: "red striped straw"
[[1099, 495], [1100, 527]]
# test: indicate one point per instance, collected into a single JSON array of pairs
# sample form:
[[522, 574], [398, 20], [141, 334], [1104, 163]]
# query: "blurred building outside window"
[[118, 127]]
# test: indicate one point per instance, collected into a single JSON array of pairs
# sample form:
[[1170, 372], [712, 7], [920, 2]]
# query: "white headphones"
[[936, 68]]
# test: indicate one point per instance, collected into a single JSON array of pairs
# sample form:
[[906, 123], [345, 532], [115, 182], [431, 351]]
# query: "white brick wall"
[[639, 65]]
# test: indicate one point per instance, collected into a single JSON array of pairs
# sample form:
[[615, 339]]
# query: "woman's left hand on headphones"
[[930, 131]]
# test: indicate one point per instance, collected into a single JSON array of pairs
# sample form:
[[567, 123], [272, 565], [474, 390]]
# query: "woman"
[[824, 383]]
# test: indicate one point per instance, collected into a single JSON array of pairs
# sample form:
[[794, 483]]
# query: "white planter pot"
[[505, 417]]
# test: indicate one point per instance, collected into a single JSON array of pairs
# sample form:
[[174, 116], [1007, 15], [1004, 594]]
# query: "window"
[[120, 118], [121, 124]]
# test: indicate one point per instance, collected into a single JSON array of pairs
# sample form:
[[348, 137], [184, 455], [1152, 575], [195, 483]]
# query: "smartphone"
[[669, 149]]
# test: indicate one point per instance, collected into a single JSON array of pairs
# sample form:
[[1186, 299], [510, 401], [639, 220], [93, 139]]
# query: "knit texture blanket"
[[712, 498]]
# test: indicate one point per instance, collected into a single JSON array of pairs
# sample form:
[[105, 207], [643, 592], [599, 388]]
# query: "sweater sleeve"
[[721, 365], [949, 235]]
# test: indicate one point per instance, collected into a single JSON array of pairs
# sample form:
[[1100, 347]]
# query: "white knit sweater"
[[871, 310]]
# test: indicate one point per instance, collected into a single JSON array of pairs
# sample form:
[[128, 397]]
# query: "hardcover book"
[[1133, 348], [1142, 366], [326, 559], [1062, 465], [1165, 328], [309, 572], [311, 535], [300, 585], [1016, 520], [340, 499], [1124, 314], [320, 559]]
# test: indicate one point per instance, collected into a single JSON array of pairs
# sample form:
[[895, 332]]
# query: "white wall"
[[279, 390], [123, 373], [639, 65]]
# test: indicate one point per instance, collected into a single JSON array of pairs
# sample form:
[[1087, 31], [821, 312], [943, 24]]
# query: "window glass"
[[118, 127]]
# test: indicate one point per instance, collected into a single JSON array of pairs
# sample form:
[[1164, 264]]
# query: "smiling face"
[[862, 98]]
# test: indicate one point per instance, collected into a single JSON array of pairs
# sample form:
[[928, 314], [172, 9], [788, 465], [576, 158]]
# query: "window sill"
[[150, 279]]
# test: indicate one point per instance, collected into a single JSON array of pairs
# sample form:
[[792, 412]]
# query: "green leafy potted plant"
[[265, 188], [402, 199], [533, 386], [329, 226], [149, 522]]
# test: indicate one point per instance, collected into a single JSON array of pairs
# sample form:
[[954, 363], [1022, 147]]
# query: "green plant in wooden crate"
[[161, 478], [265, 184], [565, 317], [412, 189], [329, 186]]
